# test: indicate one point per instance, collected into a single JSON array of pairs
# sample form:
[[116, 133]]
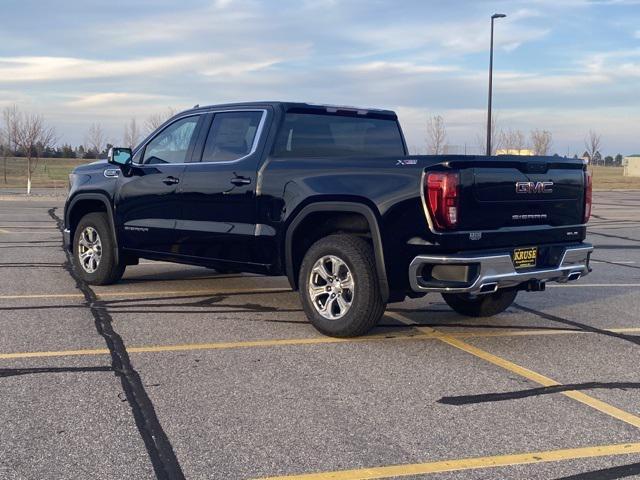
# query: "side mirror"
[[119, 156]]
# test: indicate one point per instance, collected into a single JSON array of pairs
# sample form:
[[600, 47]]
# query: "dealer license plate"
[[525, 257]]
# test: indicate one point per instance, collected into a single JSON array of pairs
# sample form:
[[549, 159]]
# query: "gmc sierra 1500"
[[329, 197]]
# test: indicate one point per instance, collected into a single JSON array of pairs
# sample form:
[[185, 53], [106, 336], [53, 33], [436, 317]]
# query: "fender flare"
[[351, 207], [105, 200]]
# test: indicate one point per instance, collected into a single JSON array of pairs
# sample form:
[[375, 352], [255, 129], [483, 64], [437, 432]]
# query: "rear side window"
[[231, 136], [306, 135]]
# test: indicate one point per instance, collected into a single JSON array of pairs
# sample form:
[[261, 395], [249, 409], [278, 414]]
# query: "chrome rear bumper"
[[491, 272]]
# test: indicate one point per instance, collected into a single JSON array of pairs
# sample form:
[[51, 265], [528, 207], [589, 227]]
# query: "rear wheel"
[[93, 251], [482, 305], [339, 287]]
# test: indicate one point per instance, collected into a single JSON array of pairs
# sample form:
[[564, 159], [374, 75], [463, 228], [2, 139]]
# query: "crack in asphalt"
[[163, 458]]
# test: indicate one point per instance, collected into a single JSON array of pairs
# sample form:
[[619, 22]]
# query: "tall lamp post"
[[489, 129]]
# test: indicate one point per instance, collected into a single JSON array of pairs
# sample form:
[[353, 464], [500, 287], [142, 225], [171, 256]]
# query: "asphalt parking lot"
[[180, 372]]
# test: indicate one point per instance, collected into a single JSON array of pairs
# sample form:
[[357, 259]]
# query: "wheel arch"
[[84, 203], [328, 207]]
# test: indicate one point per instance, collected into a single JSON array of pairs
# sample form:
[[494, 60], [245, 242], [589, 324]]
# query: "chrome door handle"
[[170, 181], [237, 181]]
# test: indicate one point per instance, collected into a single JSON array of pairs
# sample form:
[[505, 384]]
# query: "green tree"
[[618, 160]]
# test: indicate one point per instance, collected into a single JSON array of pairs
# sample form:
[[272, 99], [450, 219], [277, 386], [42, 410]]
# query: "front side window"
[[231, 136], [172, 144]]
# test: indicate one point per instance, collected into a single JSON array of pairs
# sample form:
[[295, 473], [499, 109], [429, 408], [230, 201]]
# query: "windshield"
[[329, 135]]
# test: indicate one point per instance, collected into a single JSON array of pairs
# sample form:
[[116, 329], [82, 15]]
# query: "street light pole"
[[489, 129]]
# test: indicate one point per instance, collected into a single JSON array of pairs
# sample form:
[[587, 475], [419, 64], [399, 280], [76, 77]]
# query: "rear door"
[[146, 204], [217, 197]]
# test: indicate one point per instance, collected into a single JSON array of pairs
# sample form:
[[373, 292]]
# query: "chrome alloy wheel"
[[331, 287], [89, 249]]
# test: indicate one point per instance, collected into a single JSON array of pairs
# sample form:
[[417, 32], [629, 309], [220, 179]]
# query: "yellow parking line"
[[534, 332], [468, 463], [222, 345], [157, 293], [161, 293], [525, 372], [297, 341]]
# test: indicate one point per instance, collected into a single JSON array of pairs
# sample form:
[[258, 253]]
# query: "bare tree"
[[496, 138], [541, 141], [514, 141], [32, 138], [8, 134], [131, 134], [592, 143], [436, 135], [95, 139], [154, 120]]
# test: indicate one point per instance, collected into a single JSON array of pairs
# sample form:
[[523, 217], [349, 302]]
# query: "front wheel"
[[93, 251], [482, 305], [339, 287]]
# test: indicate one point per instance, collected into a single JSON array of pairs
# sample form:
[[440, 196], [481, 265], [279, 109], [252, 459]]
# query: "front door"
[[218, 217], [146, 205]]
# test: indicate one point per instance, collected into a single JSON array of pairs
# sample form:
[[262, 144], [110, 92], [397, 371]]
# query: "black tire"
[[107, 271], [366, 305], [483, 305]]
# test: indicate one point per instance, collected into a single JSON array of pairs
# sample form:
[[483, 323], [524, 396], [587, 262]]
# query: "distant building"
[[631, 165], [511, 151]]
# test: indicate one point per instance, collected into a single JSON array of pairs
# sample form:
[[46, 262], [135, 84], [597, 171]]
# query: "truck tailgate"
[[517, 193]]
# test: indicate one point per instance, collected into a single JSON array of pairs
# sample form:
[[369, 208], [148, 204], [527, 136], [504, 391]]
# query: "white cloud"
[[117, 98], [34, 69], [399, 68], [30, 69]]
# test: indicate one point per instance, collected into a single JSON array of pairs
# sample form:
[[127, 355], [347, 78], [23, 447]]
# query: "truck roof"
[[286, 106]]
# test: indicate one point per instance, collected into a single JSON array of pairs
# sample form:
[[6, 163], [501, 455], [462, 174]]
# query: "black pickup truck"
[[328, 196]]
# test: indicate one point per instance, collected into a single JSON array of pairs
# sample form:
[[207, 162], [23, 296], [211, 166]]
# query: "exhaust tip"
[[574, 276], [489, 287]]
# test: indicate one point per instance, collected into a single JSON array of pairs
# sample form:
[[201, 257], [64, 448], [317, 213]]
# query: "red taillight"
[[442, 199], [588, 195]]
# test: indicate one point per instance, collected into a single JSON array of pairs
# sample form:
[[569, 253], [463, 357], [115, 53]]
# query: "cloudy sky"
[[563, 65]]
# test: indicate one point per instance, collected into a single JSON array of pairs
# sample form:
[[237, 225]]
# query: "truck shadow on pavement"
[[611, 473], [533, 392], [13, 372]]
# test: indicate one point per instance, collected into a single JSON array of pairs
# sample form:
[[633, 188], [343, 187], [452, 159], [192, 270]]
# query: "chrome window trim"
[[143, 146], [254, 146], [256, 137]]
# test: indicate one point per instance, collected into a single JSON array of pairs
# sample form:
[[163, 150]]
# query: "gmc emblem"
[[534, 187]]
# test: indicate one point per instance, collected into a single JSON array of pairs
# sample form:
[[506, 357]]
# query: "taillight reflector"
[[442, 194], [588, 195]]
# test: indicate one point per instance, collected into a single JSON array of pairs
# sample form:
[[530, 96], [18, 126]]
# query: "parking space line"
[[223, 345], [523, 372], [299, 341], [469, 463], [159, 293]]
